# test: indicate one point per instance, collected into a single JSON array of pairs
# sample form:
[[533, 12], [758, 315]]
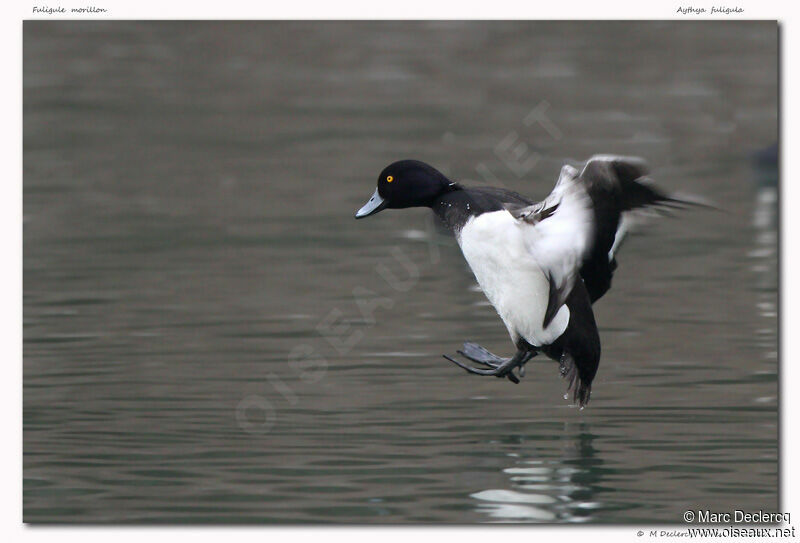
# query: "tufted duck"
[[541, 264]]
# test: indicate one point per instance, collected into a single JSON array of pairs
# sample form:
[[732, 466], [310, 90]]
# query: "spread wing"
[[617, 186], [557, 233], [575, 232]]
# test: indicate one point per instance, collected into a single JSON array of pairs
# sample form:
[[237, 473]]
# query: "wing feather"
[[577, 230], [557, 233]]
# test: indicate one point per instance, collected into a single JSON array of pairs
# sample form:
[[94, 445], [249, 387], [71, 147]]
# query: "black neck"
[[456, 206]]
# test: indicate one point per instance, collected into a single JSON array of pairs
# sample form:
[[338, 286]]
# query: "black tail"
[[579, 382], [578, 349]]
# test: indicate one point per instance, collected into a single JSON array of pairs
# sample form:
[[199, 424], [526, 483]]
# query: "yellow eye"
[[389, 178]]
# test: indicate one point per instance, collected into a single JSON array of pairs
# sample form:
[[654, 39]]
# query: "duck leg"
[[476, 353], [503, 368]]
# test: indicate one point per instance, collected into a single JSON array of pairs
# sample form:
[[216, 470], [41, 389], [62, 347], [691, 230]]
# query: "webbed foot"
[[499, 367], [476, 353]]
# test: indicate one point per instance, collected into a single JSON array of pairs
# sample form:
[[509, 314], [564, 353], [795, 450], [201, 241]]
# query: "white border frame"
[[11, 232]]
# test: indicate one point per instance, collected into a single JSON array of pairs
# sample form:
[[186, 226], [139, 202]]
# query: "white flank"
[[495, 247]]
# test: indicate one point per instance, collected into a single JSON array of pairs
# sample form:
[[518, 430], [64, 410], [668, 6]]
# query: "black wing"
[[616, 184], [495, 198]]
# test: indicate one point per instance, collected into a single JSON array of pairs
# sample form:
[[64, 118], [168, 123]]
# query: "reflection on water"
[[765, 221], [189, 243], [765, 251], [565, 490]]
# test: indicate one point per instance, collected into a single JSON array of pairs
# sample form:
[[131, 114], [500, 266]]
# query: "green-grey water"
[[209, 336]]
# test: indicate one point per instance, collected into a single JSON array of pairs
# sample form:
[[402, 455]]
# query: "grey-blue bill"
[[375, 204]]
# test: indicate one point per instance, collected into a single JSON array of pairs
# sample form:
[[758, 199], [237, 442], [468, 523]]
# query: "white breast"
[[494, 247]]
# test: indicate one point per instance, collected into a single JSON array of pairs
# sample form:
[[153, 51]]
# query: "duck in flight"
[[541, 264]]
